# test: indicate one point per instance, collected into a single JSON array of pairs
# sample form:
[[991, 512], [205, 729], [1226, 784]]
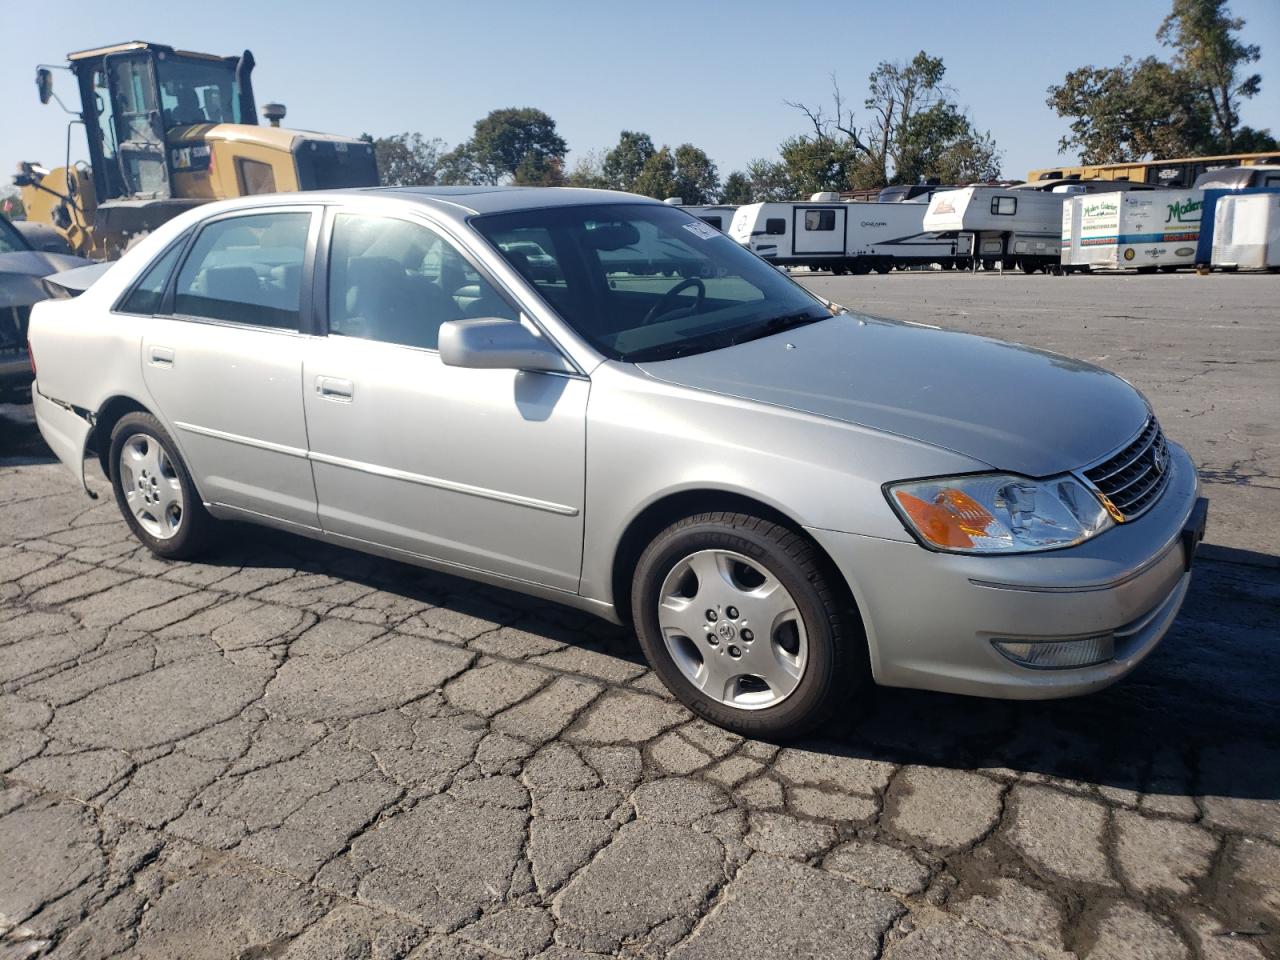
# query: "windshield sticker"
[[703, 231]]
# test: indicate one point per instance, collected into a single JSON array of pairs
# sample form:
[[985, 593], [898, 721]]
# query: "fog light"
[[1058, 654]]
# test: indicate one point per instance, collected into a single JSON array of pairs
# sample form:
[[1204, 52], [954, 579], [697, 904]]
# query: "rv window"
[[775, 226], [1272, 182], [1005, 206], [712, 221], [819, 219]]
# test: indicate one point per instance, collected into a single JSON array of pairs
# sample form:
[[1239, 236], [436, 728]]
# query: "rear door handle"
[[333, 388], [162, 356]]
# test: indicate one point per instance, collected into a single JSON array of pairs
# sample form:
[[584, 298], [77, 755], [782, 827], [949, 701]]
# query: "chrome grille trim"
[[1133, 477]]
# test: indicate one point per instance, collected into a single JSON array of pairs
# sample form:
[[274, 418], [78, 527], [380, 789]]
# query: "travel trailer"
[[826, 233], [1143, 230], [1246, 232], [718, 215], [1014, 226]]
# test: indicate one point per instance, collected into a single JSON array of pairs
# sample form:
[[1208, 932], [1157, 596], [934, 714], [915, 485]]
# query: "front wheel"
[[740, 619], [154, 490]]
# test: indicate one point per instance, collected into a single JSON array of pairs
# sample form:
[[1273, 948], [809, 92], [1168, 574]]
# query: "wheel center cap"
[[726, 631]]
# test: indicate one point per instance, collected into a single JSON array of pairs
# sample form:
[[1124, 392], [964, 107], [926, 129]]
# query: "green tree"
[[657, 178], [623, 164], [770, 180], [907, 107], [737, 189], [1136, 109], [406, 159], [1152, 108], [506, 145], [588, 171], [1202, 34], [696, 179]]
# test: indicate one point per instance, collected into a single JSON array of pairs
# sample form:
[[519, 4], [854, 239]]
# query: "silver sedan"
[[598, 399]]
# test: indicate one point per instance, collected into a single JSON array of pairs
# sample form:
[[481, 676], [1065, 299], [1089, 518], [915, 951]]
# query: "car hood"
[[1012, 407]]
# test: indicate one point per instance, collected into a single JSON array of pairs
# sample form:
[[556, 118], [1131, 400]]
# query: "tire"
[[166, 512], [742, 553]]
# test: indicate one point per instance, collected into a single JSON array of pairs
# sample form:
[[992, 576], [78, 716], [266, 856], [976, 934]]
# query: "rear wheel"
[[740, 619], [154, 490]]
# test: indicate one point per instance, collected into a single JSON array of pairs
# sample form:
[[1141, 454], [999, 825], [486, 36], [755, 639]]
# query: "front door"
[[480, 468], [223, 361], [137, 125], [819, 229]]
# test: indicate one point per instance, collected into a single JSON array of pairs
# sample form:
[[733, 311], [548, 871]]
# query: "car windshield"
[[646, 281], [197, 90], [10, 240]]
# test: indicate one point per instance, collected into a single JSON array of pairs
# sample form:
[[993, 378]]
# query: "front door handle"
[[161, 356], [333, 388]]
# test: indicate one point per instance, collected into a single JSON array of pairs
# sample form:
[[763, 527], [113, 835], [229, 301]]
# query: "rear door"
[[820, 229], [223, 361]]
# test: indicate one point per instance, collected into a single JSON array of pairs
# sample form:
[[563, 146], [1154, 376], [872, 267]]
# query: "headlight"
[[999, 513]]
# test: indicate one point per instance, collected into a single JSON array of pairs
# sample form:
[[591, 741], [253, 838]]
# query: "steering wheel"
[[661, 307]]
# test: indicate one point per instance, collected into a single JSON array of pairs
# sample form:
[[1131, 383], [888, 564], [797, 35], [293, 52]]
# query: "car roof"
[[493, 199]]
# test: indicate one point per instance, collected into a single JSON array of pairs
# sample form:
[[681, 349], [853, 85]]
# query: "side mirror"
[[44, 84], [491, 343]]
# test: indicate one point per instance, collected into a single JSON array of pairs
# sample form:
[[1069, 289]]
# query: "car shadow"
[[1198, 717]]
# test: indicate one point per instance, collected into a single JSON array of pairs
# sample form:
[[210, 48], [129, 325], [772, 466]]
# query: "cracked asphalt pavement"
[[290, 750]]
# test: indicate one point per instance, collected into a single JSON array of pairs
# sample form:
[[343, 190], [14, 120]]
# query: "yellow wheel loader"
[[168, 129]]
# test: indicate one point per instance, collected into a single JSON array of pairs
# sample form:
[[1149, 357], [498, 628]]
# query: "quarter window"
[[148, 294], [397, 282], [246, 270], [1004, 206], [819, 219]]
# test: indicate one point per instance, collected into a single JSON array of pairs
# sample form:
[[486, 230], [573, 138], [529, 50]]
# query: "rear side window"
[[246, 270], [148, 294]]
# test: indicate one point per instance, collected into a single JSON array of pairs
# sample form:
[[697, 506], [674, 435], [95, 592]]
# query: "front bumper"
[[931, 617]]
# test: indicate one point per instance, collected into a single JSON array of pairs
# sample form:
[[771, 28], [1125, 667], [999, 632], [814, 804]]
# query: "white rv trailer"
[[718, 215], [1015, 226], [1246, 232], [1141, 230], [826, 233]]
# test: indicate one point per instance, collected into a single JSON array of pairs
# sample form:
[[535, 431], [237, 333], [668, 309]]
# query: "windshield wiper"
[[774, 325]]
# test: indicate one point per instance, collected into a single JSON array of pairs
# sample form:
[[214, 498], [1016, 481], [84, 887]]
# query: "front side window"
[[1004, 206], [648, 281], [397, 282], [246, 270], [149, 293], [819, 219]]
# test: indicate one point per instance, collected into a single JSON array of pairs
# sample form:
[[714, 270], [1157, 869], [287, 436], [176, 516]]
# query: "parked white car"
[[785, 499]]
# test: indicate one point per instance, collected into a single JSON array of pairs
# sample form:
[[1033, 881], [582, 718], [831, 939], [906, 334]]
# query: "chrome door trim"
[[244, 441], [442, 484]]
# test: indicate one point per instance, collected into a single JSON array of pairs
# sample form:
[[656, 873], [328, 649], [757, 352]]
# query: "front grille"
[[1133, 478]]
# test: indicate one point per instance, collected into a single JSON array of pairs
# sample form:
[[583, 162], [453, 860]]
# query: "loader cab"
[[133, 95]]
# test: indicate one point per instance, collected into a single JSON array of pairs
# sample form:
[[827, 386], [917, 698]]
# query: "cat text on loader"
[[168, 129]]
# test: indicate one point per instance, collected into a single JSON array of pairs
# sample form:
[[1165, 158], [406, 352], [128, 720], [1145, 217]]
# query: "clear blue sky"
[[714, 74]]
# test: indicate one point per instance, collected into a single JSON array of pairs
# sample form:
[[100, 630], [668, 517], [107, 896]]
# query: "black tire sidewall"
[[192, 534], [812, 699]]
